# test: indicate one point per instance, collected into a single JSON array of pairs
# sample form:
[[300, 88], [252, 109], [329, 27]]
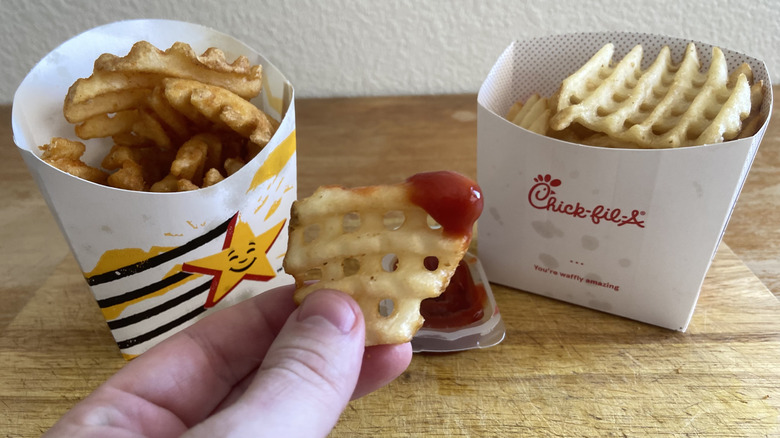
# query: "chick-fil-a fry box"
[[630, 232], [158, 262]]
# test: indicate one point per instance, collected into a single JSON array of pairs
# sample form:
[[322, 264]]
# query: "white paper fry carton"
[[158, 262], [630, 232]]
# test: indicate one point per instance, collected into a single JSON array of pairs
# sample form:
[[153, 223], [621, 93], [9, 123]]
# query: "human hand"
[[260, 368]]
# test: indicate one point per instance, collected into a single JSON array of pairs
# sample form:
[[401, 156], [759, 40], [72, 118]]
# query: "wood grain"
[[383, 140], [569, 371], [754, 230], [562, 370]]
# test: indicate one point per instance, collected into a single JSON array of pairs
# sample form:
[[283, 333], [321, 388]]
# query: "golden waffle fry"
[[129, 177], [116, 79], [105, 125], [212, 177], [66, 155], [191, 160], [219, 105], [180, 61], [667, 105], [185, 185], [173, 121], [130, 127], [77, 111], [168, 184], [160, 131], [213, 150], [379, 245]]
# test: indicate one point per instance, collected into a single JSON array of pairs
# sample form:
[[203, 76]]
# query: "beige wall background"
[[395, 47]]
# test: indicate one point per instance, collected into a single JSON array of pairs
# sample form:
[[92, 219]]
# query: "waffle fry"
[[174, 117], [666, 105], [190, 160], [379, 246], [131, 127], [174, 122], [576, 133], [115, 79], [129, 177], [66, 155], [220, 106]]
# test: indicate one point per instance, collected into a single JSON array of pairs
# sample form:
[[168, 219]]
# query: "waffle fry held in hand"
[[178, 121], [667, 105], [389, 247]]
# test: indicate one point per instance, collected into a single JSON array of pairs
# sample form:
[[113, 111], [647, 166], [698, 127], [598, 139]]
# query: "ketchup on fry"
[[455, 202], [452, 200]]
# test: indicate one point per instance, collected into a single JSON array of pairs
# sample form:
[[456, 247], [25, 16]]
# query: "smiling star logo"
[[243, 257]]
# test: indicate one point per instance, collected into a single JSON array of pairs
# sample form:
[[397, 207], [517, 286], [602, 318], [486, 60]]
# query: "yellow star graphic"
[[243, 257]]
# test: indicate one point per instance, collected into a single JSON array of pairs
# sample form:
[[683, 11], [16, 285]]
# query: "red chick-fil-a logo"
[[541, 196]]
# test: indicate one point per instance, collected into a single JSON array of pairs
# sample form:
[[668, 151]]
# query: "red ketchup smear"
[[461, 304], [455, 202]]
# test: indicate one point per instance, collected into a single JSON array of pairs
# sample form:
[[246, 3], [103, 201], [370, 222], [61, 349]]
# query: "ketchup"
[[452, 200], [455, 202], [461, 304]]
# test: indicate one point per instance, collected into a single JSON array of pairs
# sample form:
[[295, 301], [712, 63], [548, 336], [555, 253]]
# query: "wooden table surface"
[[562, 370]]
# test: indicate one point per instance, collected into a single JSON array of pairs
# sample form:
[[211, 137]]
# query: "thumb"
[[308, 375]]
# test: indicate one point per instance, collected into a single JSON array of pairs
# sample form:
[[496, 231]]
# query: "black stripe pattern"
[[156, 310], [160, 330], [153, 288], [143, 291], [160, 258]]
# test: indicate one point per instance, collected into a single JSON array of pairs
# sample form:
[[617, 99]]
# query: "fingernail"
[[331, 306]]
